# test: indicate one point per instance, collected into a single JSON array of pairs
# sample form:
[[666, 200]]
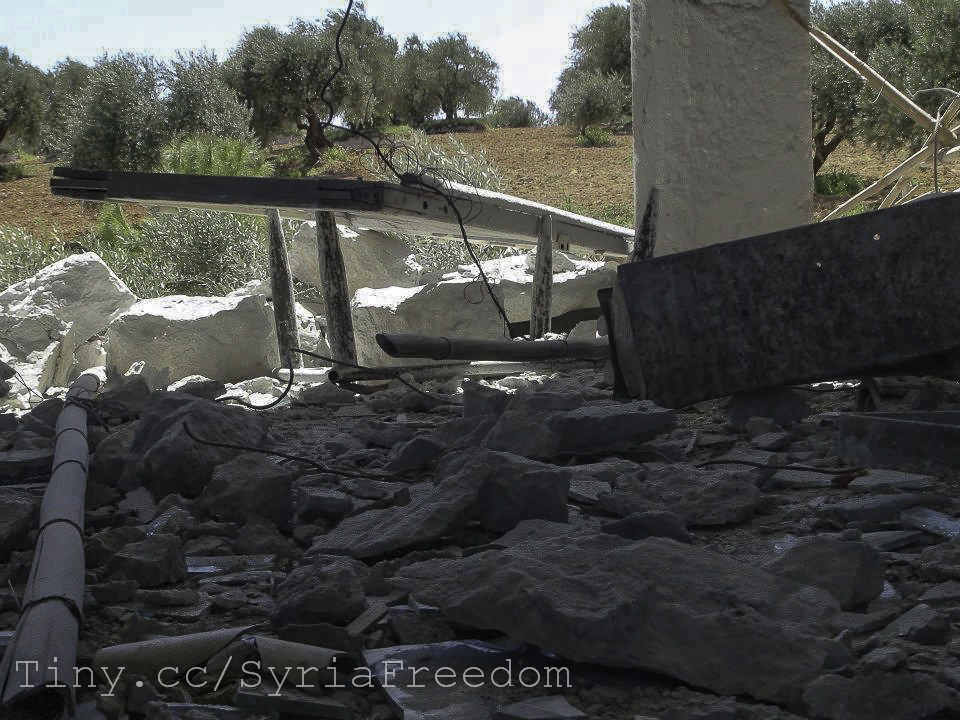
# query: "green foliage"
[[23, 253], [22, 97], [116, 123], [207, 155], [199, 101], [838, 183], [413, 99], [16, 169], [600, 46], [280, 75], [453, 161], [288, 162], [588, 98], [462, 78], [65, 83], [450, 160], [516, 112], [594, 137]]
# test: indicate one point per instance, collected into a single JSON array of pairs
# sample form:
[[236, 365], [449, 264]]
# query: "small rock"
[[882, 659], [931, 521], [199, 386], [169, 597], [140, 505], [653, 523], [152, 562], [250, 483], [851, 571], [330, 590], [757, 426], [771, 441], [318, 502], [260, 536], [106, 543], [113, 591], [882, 479], [922, 625], [613, 426], [481, 399], [781, 405], [879, 696], [417, 454]]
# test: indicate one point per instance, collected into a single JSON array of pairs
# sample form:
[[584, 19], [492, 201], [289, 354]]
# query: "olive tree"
[[22, 92], [118, 121], [461, 78], [588, 98], [199, 101]]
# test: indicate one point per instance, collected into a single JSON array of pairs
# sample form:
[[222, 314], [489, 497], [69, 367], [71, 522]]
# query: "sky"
[[529, 38]]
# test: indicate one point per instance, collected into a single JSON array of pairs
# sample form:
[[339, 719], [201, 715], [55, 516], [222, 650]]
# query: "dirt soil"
[[541, 164]]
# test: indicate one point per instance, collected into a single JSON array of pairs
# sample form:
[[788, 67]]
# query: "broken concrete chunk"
[[921, 624], [878, 696], [152, 562], [329, 591], [165, 460], [613, 426], [414, 455], [104, 544], [699, 496], [655, 604], [551, 707], [877, 479], [523, 432], [801, 479], [249, 483], [313, 502], [931, 521], [851, 571], [652, 523], [514, 493], [480, 399], [199, 386], [873, 508], [19, 516], [781, 406]]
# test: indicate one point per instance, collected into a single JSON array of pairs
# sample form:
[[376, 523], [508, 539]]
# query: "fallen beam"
[[390, 207], [857, 297]]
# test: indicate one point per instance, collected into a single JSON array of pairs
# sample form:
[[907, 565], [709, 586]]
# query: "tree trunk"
[[541, 297], [315, 140], [281, 286]]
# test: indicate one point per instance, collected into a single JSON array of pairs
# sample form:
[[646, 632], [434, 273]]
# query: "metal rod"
[[423, 373], [442, 348]]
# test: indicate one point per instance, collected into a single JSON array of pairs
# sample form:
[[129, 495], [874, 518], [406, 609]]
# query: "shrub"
[[594, 137], [837, 182], [22, 253], [452, 161], [206, 155], [588, 98], [516, 112], [117, 122]]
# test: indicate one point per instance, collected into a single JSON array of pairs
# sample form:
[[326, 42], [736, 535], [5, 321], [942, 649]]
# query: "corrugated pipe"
[[39, 667]]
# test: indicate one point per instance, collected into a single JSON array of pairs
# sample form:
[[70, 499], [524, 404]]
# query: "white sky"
[[529, 38]]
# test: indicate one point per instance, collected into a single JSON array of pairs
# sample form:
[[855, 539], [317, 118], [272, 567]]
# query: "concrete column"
[[721, 119]]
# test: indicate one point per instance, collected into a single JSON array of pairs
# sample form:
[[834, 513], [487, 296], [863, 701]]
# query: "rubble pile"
[[539, 526], [522, 548]]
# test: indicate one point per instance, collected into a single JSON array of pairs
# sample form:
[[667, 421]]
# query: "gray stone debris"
[[655, 604], [699, 496], [851, 571], [249, 483], [652, 523], [152, 562], [551, 707], [164, 459], [878, 696], [330, 589], [497, 489]]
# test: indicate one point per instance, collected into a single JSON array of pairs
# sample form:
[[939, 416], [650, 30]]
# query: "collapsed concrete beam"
[[855, 297]]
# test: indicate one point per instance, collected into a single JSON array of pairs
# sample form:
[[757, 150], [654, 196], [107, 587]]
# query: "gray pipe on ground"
[[38, 671]]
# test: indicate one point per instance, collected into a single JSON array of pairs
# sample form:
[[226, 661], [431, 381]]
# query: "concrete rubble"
[[528, 547]]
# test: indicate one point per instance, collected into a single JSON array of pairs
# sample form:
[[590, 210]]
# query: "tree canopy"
[[22, 96], [461, 78]]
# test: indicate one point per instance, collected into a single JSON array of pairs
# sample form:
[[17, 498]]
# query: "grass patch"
[[838, 182], [594, 137]]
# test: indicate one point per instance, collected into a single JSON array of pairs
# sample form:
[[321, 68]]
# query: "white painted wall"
[[721, 118]]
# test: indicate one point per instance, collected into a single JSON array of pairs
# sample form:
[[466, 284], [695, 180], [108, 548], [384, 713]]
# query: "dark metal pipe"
[[38, 669]]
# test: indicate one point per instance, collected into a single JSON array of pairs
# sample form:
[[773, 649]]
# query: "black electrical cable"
[[319, 466], [277, 401], [409, 178]]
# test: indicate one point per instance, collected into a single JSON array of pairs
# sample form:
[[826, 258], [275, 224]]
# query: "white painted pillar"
[[721, 119]]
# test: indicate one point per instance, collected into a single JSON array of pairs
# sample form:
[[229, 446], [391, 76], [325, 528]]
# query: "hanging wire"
[[420, 179]]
